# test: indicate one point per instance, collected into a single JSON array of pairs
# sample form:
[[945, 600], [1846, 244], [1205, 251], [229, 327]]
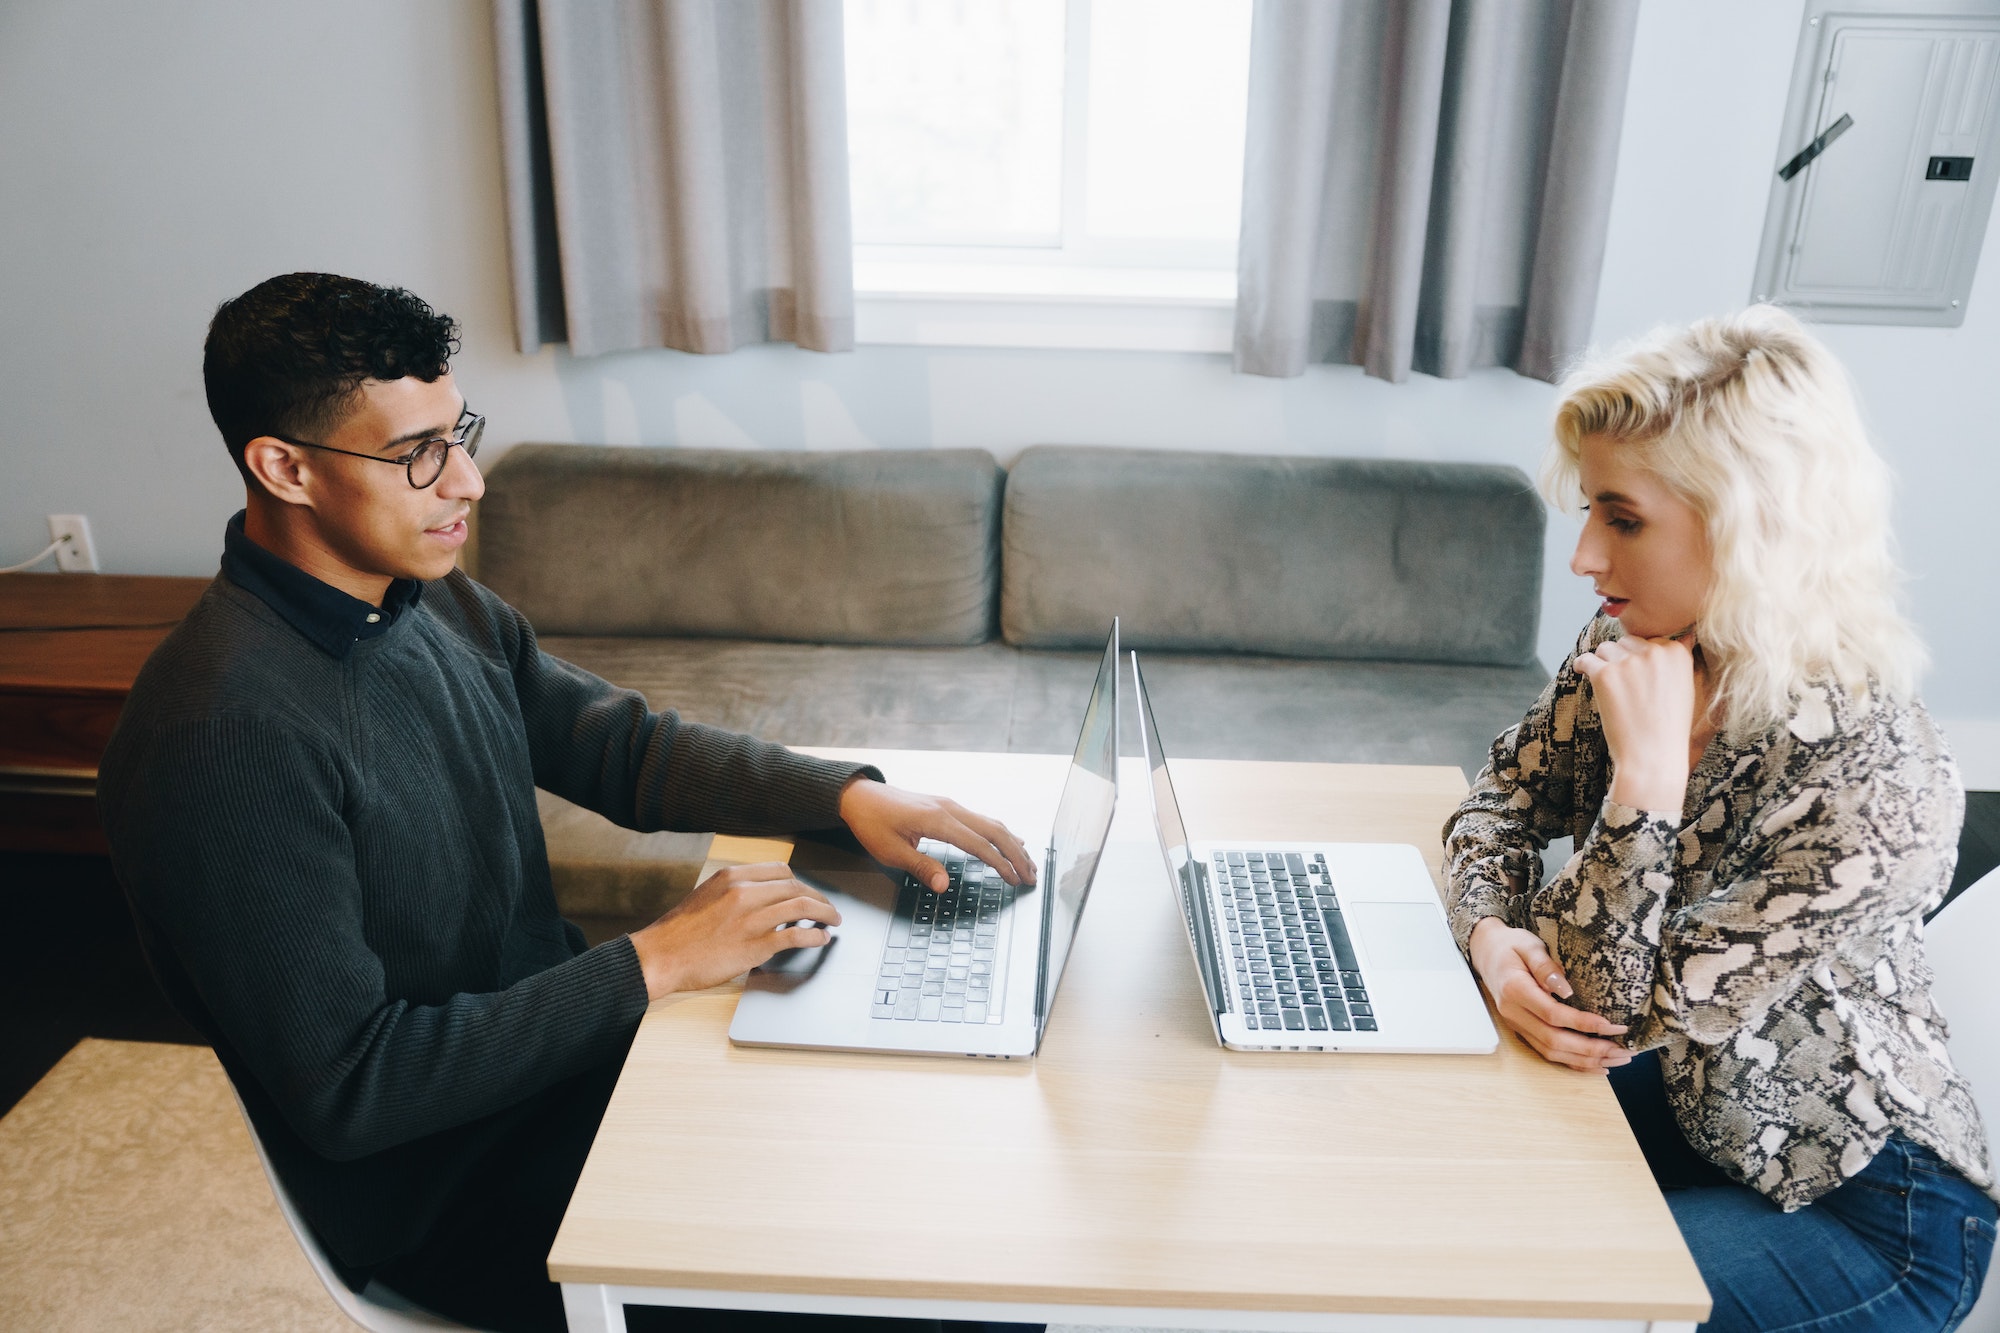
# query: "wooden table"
[[70, 647], [1135, 1173]]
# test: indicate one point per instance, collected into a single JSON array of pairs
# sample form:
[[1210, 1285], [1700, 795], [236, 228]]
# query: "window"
[[1047, 164]]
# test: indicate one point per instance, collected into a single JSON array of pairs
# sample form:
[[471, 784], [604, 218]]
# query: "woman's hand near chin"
[[1645, 692]]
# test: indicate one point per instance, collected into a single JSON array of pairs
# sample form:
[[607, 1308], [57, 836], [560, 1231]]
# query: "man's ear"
[[279, 468]]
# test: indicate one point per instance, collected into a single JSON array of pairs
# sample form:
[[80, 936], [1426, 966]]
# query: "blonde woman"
[[1763, 813]]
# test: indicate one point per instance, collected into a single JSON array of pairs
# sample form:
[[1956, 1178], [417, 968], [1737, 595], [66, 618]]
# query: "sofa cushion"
[[1298, 557], [893, 547], [609, 879]]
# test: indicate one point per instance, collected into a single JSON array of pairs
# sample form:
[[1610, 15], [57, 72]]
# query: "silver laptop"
[[1315, 946], [972, 971]]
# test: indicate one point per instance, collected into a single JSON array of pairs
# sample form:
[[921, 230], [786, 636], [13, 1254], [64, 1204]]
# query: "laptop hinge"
[[1213, 972], [1048, 939]]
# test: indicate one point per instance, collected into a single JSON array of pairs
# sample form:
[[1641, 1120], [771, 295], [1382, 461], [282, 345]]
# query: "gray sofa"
[[1286, 608]]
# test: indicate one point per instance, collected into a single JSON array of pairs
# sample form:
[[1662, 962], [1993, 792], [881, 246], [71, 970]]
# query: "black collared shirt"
[[333, 621]]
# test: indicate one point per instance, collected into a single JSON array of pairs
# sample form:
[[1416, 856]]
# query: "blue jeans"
[[1902, 1247]]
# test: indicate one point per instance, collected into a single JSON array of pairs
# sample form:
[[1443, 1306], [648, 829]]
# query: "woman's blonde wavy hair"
[[1752, 421]]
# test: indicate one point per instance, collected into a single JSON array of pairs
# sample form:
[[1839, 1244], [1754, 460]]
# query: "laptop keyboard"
[[946, 959], [1294, 967]]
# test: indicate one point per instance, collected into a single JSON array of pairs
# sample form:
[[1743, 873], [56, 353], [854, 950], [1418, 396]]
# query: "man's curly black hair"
[[288, 356]]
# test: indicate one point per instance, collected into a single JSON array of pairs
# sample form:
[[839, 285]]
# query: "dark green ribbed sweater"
[[338, 873]]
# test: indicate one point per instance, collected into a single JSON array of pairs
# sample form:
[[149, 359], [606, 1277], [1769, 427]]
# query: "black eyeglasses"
[[424, 464]]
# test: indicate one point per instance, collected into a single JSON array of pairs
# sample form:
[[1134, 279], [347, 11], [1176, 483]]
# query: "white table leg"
[[589, 1307]]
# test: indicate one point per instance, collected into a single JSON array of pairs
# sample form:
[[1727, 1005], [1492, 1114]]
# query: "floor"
[[76, 969], [131, 1198]]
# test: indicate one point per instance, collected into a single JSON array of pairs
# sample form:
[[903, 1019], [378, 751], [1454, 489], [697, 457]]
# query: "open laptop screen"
[[1166, 810], [1083, 823], [1189, 875]]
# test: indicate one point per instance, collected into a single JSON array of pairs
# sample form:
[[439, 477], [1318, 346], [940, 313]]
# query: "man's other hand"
[[889, 822], [730, 924]]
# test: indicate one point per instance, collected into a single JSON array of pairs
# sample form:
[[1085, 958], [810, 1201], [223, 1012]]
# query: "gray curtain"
[[1427, 182], [676, 173]]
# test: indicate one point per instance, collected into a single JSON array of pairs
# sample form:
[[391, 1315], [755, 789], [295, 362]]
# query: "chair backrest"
[[377, 1309], [1959, 942]]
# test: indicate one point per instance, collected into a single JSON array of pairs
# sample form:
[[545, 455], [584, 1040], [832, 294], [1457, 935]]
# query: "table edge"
[[1097, 1298]]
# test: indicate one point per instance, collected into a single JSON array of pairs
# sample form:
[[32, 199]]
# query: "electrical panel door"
[[1887, 168]]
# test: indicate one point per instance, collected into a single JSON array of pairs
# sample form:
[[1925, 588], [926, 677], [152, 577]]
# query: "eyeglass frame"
[[465, 435]]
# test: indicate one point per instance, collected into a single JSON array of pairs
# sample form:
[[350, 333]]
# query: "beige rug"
[[130, 1198]]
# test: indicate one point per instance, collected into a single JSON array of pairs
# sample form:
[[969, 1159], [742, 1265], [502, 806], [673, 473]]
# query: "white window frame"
[[1074, 293]]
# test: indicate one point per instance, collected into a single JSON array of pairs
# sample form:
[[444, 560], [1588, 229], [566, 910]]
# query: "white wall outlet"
[[76, 555]]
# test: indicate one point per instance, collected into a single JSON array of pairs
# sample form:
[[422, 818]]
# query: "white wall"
[[159, 158], [1700, 142]]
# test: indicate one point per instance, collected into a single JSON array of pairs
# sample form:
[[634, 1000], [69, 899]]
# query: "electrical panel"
[[1887, 164]]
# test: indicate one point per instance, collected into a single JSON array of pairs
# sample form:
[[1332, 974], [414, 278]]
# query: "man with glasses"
[[321, 802]]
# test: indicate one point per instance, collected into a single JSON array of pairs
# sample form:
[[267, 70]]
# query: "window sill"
[[1044, 306]]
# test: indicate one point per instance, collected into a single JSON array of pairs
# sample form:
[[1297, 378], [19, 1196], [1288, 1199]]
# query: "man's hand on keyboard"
[[890, 822], [733, 921]]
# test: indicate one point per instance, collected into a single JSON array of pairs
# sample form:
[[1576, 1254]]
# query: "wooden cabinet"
[[70, 647]]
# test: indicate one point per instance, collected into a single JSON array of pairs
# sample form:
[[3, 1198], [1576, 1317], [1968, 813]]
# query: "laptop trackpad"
[[1406, 937], [799, 962]]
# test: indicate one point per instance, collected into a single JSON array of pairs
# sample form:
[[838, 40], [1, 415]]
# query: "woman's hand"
[[1645, 692], [1524, 983]]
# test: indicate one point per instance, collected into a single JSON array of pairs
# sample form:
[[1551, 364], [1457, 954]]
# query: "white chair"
[[1961, 941], [377, 1309]]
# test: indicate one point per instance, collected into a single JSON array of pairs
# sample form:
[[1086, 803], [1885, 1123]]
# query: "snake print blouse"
[[1769, 941]]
